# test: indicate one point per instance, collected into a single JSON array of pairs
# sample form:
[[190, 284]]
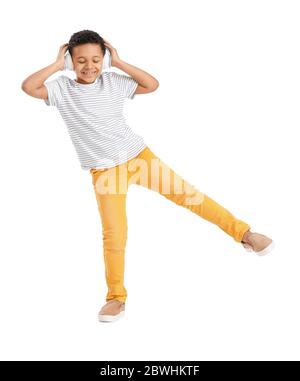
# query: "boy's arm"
[[147, 83], [34, 84]]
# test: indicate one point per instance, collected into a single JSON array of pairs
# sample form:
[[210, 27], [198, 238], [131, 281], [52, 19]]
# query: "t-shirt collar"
[[86, 85]]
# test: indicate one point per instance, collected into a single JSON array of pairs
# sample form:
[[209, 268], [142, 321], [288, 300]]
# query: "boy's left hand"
[[115, 59]]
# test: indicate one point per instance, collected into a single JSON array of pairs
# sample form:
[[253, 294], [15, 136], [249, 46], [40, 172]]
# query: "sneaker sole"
[[110, 318]]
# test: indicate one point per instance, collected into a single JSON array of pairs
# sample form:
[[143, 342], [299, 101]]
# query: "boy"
[[92, 108]]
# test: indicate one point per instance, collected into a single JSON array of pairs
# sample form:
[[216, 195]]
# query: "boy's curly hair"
[[86, 36]]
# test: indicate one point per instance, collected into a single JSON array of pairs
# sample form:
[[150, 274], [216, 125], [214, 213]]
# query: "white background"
[[225, 117]]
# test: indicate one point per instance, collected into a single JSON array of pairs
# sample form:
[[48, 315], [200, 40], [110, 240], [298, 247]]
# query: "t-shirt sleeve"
[[126, 84], [55, 91]]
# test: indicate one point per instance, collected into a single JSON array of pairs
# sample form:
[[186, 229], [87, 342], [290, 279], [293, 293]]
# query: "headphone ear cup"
[[68, 62], [106, 60]]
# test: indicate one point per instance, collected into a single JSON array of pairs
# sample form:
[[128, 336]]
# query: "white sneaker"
[[113, 310], [259, 243]]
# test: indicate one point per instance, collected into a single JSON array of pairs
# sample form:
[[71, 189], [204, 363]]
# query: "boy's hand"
[[60, 60], [115, 59]]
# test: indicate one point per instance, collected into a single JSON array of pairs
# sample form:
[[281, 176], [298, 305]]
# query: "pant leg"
[[112, 208], [154, 174]]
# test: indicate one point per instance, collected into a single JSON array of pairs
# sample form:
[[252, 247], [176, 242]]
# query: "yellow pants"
[[146, 169]]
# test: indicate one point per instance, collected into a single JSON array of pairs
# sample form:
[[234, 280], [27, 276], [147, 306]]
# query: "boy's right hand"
[[60, 60]]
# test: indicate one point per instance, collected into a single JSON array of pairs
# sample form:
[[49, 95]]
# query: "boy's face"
[[88, 61]]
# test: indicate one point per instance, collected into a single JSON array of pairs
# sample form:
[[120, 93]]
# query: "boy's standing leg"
[[112, 209]]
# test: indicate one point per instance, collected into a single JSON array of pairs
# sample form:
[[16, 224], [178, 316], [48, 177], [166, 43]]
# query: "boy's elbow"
[[24, 87], [155, 86]]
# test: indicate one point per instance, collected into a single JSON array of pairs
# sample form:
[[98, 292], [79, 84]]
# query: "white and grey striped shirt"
[[93, 114]]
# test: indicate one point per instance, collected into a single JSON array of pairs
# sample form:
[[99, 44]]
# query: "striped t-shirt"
[[93, 114]]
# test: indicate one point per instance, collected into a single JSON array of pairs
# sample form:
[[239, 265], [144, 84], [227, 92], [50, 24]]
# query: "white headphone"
[[106, 61]]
